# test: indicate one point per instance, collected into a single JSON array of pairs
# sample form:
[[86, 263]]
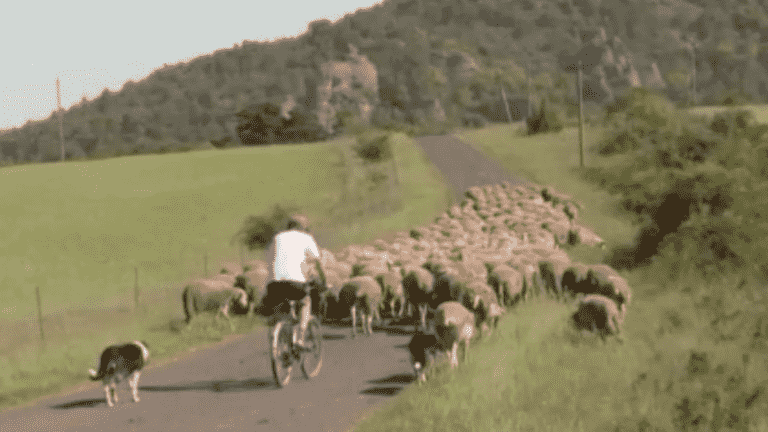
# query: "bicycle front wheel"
[[312, 361], [281, 353]]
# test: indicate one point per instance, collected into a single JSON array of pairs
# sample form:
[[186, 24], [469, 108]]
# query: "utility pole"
[[528, 75], [692, 101], [504, 99], [61, 121], [581, 121]]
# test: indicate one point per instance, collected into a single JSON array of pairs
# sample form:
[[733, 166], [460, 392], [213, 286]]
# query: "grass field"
[[536, 374], [77, 230], [760, 111]]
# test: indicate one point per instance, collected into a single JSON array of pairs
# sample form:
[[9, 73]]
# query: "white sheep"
[[208, 295], [391, 284], [454, 323], [418, 285], [361, 293]]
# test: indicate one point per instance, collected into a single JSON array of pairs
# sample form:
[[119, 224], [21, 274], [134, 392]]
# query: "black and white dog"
[[118, 362], [423, 347]]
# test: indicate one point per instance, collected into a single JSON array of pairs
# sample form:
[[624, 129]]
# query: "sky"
[[92, 45]]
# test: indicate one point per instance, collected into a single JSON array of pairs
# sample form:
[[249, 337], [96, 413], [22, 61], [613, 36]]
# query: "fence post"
[[581, 120], [136, 287], [40, 315]]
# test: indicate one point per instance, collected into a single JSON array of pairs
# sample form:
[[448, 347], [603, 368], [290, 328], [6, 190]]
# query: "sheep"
[[599, 314], [453, 324], [224, 277], [333, 283], [449, 286], [418, 286], [361, 292], [507, 283], [391, 284], [207, 295], [481, 299], [422, 348], [552, 270], [257, 264], [574, 279], [254, 282], [604, 280]]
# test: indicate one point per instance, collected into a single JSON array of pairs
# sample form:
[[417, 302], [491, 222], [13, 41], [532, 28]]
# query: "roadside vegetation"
[[694, 351]]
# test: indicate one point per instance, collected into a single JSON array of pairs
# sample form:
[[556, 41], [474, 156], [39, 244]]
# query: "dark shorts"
[[278, 292]]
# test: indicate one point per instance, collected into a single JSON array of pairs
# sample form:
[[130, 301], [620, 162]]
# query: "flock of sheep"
[[460, 273]]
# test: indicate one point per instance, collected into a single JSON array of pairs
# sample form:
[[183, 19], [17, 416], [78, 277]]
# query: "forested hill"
[[460, 52]]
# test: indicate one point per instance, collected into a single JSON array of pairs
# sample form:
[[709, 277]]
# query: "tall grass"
[[77, 230]]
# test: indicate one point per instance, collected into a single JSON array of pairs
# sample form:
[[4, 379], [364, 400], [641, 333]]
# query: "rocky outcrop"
[[351, 84]]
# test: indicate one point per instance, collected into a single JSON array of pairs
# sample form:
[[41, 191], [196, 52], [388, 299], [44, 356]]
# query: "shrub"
[[544, 121], [373, 147], [473, 120], [222, 143], [257, 231], [638, 118]]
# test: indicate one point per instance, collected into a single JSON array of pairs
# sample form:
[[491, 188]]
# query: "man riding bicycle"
[[291, 254]]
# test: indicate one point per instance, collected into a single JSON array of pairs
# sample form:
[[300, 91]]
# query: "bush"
[[545, 121], [639, 118], [222, 143], [373, 147], [257, 231], [473, 120]]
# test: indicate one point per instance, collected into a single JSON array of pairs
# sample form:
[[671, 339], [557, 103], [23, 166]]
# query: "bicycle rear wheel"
[[312, 361], [281, 353]]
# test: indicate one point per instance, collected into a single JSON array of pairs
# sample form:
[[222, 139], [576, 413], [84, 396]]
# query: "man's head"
[[297, 222]]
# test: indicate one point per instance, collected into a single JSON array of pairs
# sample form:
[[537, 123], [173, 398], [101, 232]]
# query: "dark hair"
[[298, 222]]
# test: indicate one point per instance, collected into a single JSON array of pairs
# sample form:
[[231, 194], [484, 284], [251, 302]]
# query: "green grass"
[[760, 111], [77, 230], [535, 373]]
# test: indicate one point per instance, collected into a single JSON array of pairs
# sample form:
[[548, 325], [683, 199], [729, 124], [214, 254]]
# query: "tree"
[[259, 124]]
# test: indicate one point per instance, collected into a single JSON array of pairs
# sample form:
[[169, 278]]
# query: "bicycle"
[[285, 353]]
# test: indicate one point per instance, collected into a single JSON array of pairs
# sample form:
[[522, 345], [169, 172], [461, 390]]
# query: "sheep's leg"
[[353, 312], [370, 322], [225, 313], [466, 350], [113, 387], [423, 314], [402, 307], [323, 306], [392, 308], [454, 355], [134, 383], [108, 395]]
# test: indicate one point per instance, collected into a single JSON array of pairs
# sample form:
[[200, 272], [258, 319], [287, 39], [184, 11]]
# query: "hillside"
[[456, 52]]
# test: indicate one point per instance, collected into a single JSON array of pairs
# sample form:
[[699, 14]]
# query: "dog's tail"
[[94, 375], [103, 371]]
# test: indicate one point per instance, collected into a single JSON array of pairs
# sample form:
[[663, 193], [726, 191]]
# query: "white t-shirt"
[[289, 251]]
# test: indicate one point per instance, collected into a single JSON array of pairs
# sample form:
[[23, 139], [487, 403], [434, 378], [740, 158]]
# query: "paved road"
[[230, 387], [462, 166]]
